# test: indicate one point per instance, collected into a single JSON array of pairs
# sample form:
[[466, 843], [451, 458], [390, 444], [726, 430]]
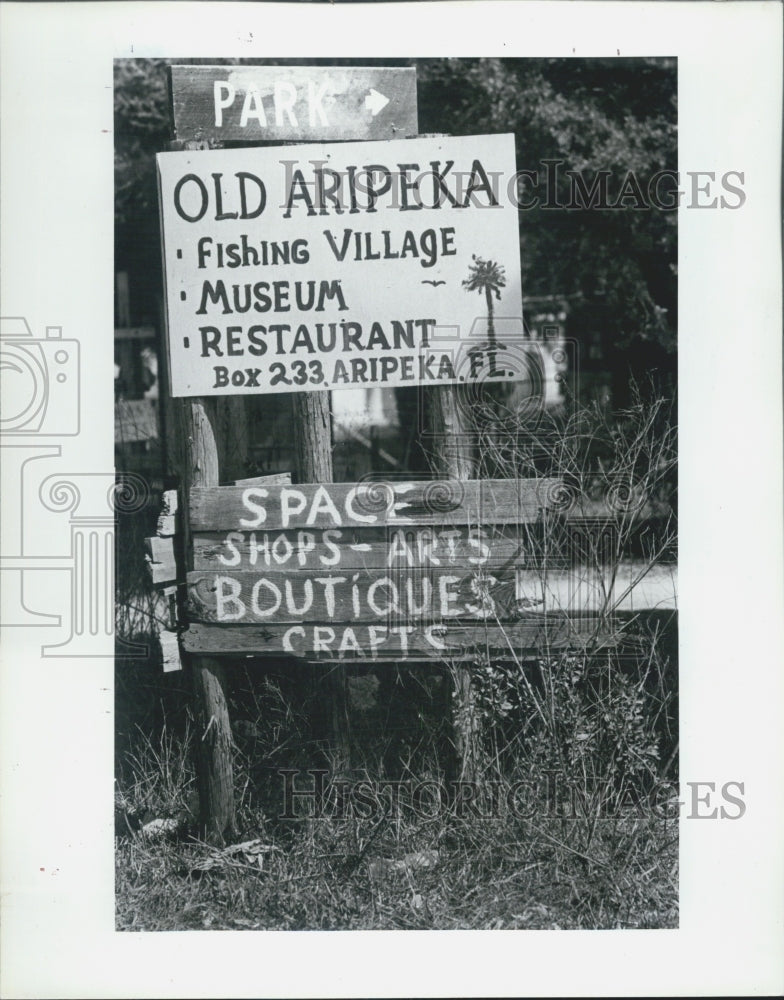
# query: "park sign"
[[370, 571], [301, 103], [302, 268]]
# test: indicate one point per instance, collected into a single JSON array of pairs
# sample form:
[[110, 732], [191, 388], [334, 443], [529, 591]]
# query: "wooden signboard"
[[302, 103], [306, 268], [372, 571]]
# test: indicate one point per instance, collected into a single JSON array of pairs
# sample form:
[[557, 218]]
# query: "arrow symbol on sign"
[[375, 102]]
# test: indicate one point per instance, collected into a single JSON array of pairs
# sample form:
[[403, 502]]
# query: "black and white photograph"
[[419, 470], [391, 453]]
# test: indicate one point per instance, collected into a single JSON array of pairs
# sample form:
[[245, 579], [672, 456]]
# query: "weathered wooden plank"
[[444, 502], [332, 642], [627, 587], [273, 479], [366, 548], [372, 594], [637, 509], [160, 559], [261, 103], [363, 595]]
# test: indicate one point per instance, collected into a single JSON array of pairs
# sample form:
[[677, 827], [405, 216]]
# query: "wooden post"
[[313, 436], [453, 456], [199, 466], [210, 434], [313, 450], [233, 438], [313, 441]]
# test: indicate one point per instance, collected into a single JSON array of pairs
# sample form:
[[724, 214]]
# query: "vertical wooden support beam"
[[202, 443], [454, 456], [313, 441], [233, 438], [313, 436], [199, 466]]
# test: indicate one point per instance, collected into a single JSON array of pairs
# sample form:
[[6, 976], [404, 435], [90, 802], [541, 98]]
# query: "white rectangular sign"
[[300, 268]]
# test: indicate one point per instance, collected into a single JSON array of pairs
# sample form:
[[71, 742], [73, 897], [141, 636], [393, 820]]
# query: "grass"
[[578, 848], [447, 873]]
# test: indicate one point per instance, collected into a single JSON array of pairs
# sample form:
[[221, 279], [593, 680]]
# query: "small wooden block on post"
[[167, 519], [161, 561], [165, 575], [170, 650]]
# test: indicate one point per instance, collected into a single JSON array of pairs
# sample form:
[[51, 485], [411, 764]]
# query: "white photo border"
[[56, 736]]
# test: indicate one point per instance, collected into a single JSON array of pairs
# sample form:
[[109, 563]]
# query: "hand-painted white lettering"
[[249, 497]]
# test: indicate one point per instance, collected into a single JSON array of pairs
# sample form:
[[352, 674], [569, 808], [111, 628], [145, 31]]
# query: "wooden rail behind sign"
[[370, 571]]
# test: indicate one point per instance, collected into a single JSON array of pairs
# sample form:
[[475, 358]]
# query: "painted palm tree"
[[489, 277]]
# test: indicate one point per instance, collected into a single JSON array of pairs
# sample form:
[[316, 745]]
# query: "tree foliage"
[[615, 266]]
